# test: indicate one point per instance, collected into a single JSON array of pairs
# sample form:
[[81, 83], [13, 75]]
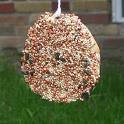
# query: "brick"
[[111, 29], [112, 54], [64, 5], [101, 29], [96, 29], [111, 47], [33, 18], [113, 42], [7, 30], [91, 0], [14, 19], [110, 42], [90, 6], [36, 6], [121, 27], [21, 30], [11, 42], [7, 7], [102, 18]]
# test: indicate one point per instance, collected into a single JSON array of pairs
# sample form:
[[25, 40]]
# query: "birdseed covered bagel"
[[61, 59]]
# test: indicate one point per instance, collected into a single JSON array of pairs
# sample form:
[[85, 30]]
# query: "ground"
[[19, 105]]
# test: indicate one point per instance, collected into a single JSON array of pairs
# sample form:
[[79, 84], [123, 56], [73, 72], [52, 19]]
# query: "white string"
[[58, 11]]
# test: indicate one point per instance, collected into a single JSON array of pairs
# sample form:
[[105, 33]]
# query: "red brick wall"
[[17, 15]]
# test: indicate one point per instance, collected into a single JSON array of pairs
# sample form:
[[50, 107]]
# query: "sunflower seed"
[[85, 95], [57, 56]]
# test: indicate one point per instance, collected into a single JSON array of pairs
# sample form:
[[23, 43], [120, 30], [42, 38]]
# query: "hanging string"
[[58, 11]]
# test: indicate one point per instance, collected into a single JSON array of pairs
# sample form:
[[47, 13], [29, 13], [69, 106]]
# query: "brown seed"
[[88, 71], [85, 95], [65, 89], [26, 56], [46, 63], [22, 61], [21, 53], [57, 56], [30, 61], [32, 72], [84, 81], [57, 17], [75, 37], [25, 72], [86, 62], [48, 72], [62, 59], [79, 86]]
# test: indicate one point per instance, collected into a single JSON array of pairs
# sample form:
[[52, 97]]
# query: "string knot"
[[58, 11]]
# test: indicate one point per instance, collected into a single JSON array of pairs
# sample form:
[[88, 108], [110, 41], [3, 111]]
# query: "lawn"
[[19, 105]]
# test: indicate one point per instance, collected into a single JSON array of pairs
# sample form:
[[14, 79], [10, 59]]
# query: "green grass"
[[19, 105]]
